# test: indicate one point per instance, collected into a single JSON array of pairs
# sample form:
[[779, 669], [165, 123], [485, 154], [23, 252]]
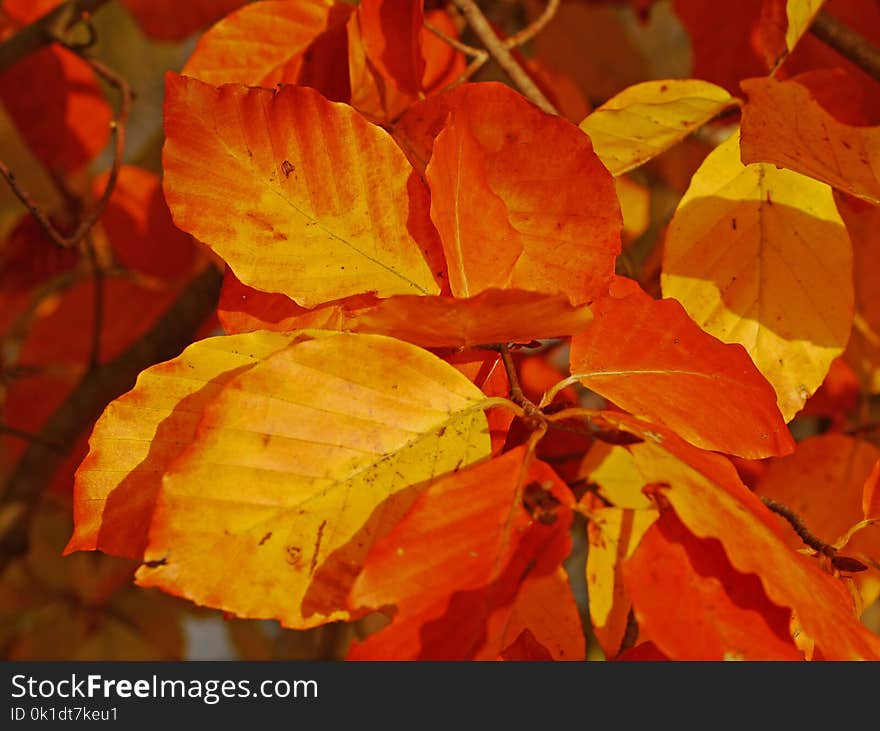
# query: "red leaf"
[[695, 606], [651, 359]]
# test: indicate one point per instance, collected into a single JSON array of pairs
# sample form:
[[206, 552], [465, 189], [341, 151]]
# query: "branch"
[[53, 26], [848, 43], [500, 52], [165, 339], [117, 132]]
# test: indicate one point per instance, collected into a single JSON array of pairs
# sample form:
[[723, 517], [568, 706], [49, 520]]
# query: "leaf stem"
[[500, 52]]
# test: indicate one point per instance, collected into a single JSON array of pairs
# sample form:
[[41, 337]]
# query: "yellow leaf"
[[759, 256], [141, 433], [297, 194], [614, 534], [612, 468], [648, 118], [299, 464], [800, 14]]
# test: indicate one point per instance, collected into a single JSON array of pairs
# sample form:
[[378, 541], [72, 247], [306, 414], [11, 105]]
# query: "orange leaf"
[[871, 494], [443, 64], [650, 358], [63, 116], [495, 316], [725, 40], [391, 31], [139, 227], [841, 155], [500, 521], [503, 218], [140, 434], [709, 499], [264, 43], [171, 20], [823, 483], [285, 187], [863, 349], [695, 606]]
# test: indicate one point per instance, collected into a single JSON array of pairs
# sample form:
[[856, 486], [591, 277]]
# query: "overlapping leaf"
[[294, 468], [264, 43], [614, 533], [454, 567], [695, 606], [707, 497], [841, 155], [63, 117], [646, 119], [297, 194], [863, 350], [139, 228], [170, 20], [651, 359], [759, 256], [502, 217]]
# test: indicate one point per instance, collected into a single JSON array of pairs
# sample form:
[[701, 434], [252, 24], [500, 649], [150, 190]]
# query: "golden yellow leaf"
[[612, 468], [297, 194], [141, 433], [647, 119], [759, 256], [614, 534], [299, 464]]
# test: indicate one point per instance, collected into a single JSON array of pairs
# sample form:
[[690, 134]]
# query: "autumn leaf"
[[452, 566], [328, 460], [64, 117], [502, 219], [841, 155], [717, 613], [822, 482], [495, 316], [759, 256], [783, 23], [863, 350], [650, 358], [286, 188], [139, 228], [710, 501], [613, 533], [646, 119], [169, 20], [264, 43]]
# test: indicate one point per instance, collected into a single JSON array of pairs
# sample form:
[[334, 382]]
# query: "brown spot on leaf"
[[287, 168], [540, 503], [265, 538]]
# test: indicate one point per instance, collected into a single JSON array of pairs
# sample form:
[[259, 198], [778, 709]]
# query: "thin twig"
[[848, 43], [98, 306], [117, 133], [464, 48], [844, 563], [535, 27], [29, 437], [499, 51], [54, 25]]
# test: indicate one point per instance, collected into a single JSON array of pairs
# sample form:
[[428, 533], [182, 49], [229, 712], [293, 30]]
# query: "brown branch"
[[117, 132], [165, 339], [500, 52], [457, 44], [848, 43], [27, 436], [53, 26], [843, 563], [531, 30], [98, 308]]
